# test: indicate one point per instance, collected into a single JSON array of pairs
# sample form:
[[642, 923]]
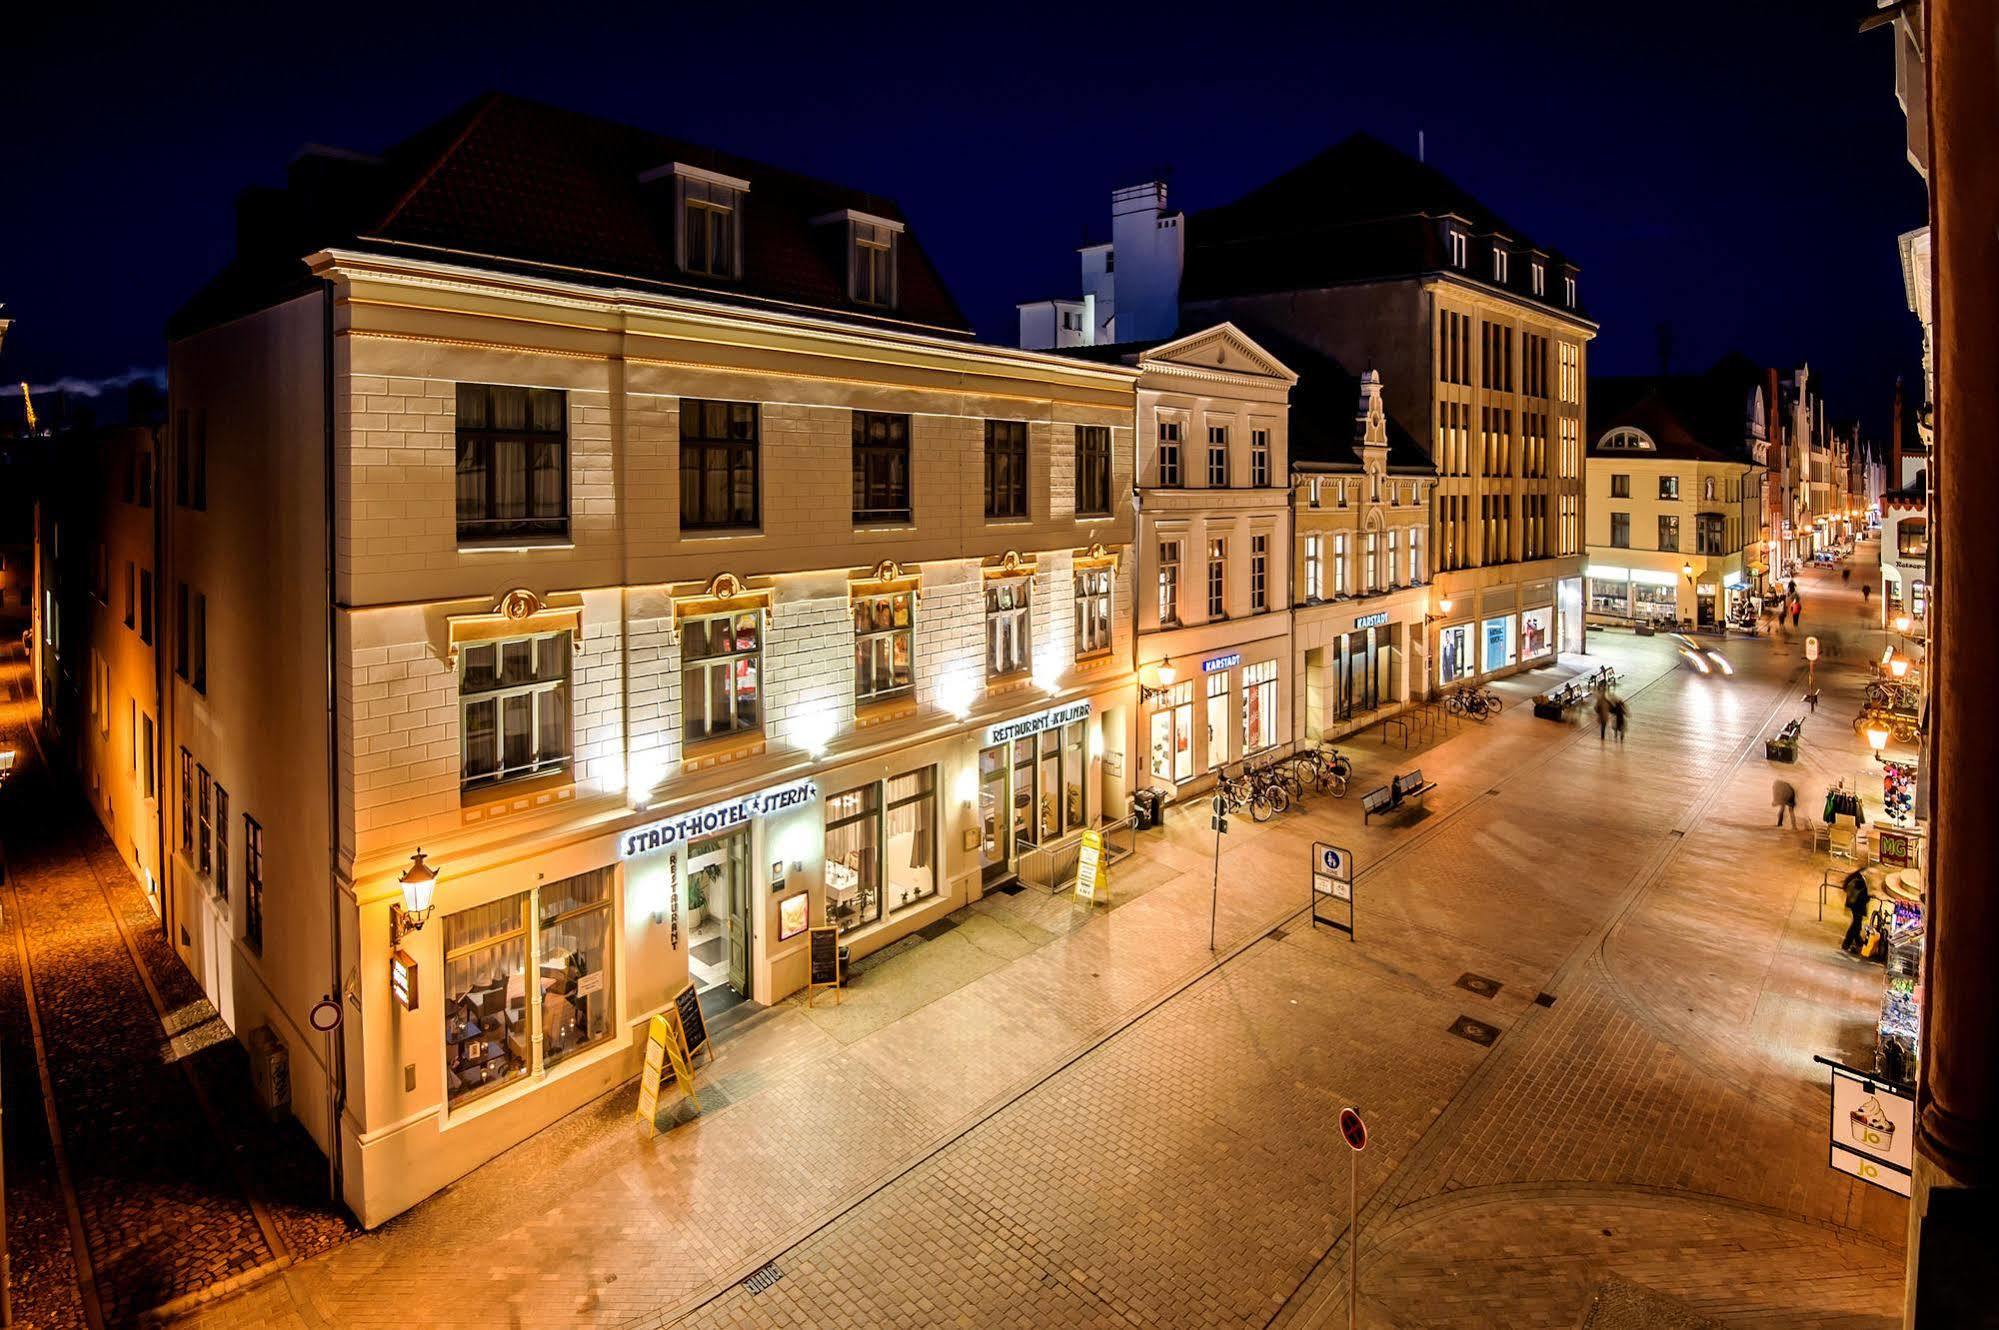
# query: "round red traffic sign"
[[1353, 1129]]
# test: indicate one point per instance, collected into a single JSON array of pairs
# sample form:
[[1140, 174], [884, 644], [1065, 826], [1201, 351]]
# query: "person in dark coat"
[[1856, 905], [1619, 713], [1786, 800]]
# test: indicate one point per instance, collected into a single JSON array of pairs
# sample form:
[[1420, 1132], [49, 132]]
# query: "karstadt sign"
[[671, 831]]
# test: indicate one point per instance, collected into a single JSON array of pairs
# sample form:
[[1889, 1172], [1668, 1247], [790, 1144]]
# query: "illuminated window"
[[1093, 612], [884, 645], [513, 705], [721, 675], [1009, 631], [1169, 453], [710, 227], [872, 263], [1169, 581]]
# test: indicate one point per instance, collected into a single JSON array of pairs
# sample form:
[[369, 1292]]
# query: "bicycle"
[[1325, 769], [1253, 792]]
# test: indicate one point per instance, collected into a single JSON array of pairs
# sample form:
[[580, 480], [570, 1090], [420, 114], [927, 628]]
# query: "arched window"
[[1626, 440]]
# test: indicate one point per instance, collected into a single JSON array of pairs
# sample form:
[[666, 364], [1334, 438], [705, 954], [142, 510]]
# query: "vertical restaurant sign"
[[402, 979], [671, 831]]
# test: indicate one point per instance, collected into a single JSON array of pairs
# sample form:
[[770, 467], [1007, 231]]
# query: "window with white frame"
[[1259, 458], [884, 645], [1569, 291], [1259, 573], [1315, 567], [1009, 648], [1540, 275], [513, 463], [872, 263], [1169, 581], [1218, 457], [1218, 561], [513, 707], [1169, 453], [1371, 561], [711, 227], [1093, 611], [1460, 249], [1340, 564], [1259, 706], [721, 675], [1415, 555], [206, 821], [1391, 567], [1499, 257], [221, 842], [253, 883], [1312, 492]]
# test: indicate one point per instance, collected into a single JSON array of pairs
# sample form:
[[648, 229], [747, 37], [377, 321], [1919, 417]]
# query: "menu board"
[[693, 1025], [1092, 876], [824, 961]]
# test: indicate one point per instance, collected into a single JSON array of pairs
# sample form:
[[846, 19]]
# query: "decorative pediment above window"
[[1010, 564], [517, 613], [1096, 556], [886, 578], [724, 593]]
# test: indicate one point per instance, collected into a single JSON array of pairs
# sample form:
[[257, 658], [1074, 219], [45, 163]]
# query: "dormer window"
[[1460, 249], [1569, 292], [708, 212], [1540, 276], [871, 246], [1498, 264]]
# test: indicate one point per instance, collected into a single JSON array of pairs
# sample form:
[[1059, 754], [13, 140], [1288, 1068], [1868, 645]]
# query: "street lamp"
[[1898, 665], [1443, 610], [1877, 739], [1155, 680], [419, 884]]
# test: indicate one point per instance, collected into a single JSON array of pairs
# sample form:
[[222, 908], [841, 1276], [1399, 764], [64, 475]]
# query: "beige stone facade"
[[548, 909]]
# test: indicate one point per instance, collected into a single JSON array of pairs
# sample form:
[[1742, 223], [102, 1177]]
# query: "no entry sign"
[[1353, 1129]]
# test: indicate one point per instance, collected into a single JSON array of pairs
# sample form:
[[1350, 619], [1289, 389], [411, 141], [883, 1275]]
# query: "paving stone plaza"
[[1047, 1116]]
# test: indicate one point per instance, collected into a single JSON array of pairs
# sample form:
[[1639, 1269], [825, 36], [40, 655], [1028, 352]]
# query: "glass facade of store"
[[881, 848], [1454, 654], [1535, 625], [1498, 638], [1031, 791]]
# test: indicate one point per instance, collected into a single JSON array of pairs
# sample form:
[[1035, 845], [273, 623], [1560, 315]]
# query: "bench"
[[1388, 798], [1784, 747]]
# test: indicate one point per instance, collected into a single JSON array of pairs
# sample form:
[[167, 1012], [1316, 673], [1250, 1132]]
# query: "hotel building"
[[636, 531]]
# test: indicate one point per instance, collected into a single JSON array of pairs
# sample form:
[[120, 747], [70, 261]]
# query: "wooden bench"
[[1388, 798]]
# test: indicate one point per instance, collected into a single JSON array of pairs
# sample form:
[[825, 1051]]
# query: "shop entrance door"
[[1024, 836], [1704, 609], [1359, 674], [718, 875], [995, 832]]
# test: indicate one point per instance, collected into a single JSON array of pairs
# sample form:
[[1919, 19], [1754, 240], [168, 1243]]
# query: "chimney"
[[1147, 244]]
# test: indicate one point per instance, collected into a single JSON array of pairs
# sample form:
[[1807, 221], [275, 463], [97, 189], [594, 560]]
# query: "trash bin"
[[1149, 808]]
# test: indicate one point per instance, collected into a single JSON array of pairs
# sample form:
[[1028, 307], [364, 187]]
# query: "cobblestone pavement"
[[157, 1130], [1091, 1122]]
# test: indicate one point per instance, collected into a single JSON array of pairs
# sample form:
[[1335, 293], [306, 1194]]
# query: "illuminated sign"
[[1052, 719], [402, 979], [1371, 620], [707, 821], [1214, 663]]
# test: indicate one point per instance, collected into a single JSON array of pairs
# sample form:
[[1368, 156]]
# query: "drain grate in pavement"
[[763, 1277], [1544, 999], [1276, 935], [1464, 1027], [1010, 889], [1479, 984]]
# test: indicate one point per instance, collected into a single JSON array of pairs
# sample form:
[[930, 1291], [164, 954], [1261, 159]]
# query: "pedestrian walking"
[[1618, 714], [1856, 908], [1845, 575], [1786, 800], [1866, 592], [1791, 588], [1797, 609], [1602, 714]]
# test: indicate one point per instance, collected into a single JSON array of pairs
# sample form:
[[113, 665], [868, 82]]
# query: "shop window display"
[[1218, 719], [881, 853], [1650, 601], [1259, 706], [485, 997], [1075, 808], [853, 858], [1173, 734], [574, 917], [1534, 634], [1498, 643], [1454, 657], [1610, 597]]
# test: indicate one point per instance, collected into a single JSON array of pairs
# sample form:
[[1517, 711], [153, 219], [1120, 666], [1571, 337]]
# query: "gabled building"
[[633, 536], [1676, 468], [1377, 260]]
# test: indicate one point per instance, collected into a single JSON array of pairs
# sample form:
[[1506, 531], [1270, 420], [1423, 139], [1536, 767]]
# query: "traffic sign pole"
[[1215, 887], [1355, 1132]]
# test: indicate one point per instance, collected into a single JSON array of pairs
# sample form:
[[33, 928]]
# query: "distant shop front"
[[1513, 628]]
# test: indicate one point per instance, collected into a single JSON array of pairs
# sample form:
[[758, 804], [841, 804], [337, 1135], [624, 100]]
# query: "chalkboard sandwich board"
[[693, 1025], [824, 958]]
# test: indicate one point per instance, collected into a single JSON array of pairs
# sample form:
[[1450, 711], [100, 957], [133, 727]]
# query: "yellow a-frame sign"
[[663, 1049]]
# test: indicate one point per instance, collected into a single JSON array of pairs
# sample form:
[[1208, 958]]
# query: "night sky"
[[1736, 171]]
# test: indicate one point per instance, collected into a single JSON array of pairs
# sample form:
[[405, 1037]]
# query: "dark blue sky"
[[1735, 171]]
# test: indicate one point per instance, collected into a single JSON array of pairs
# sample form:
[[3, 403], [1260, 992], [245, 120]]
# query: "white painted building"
[[1130, 285]]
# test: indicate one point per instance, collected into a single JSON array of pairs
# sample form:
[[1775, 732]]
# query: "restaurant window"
[[721, 675], [1008, 644], [574, 980], [1169, 581], [1169, 453], [513, 463], [1075, 768], [1259, 574], [1912, 538], [513, 705], [486, 1033], [1218, 564], [1173, 733], [881, 468], [884, 645], [881, 853], [253, 883], [1093, 470], [1218, 719], [1259, 457], [719, 460], [205, 804], [1218, 457], [1259, 706], [1006, 468], [1093, 612]]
